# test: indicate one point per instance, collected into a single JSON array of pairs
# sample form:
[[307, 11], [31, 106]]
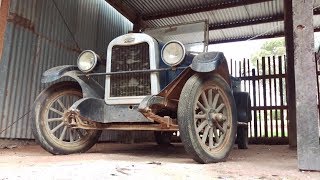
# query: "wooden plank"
[[275, 95], [255, 123], [264, 97], [231, 67], [249, 86], [272, 76], [244, 74], [248, 66], [264, 108], [239, 70], [234, 68], [259, 102], [281, 97], [270, 97]]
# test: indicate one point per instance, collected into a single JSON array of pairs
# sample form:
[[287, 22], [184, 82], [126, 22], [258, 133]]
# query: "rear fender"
[[90, 87]]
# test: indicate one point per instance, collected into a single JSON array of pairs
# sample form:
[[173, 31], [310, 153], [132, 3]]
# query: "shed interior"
[[38, 34]]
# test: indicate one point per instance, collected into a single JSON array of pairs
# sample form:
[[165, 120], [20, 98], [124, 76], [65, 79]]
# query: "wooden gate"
[[265, 80]]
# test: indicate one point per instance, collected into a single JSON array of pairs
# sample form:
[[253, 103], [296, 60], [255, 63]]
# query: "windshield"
[[191, 34]]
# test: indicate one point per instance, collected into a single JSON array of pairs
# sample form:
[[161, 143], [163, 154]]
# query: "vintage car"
[[153, 82]]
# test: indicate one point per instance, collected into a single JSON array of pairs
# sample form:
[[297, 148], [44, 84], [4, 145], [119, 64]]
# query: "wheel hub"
[[69, 119], [214, 117]]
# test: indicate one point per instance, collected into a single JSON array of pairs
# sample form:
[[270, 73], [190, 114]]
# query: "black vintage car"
[[153, 82]]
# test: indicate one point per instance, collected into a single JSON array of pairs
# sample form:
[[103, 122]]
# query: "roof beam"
[[255, 21], [246, 22], [281, 34], [124, 10], [210, 7], [266, 36]]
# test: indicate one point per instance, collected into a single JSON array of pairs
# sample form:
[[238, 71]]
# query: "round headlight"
[[87, 61], [173, 53]]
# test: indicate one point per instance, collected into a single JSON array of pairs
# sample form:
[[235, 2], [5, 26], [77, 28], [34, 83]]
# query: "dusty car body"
[[151, 83]]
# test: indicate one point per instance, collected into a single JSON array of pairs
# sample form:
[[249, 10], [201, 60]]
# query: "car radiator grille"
[[129, 58]]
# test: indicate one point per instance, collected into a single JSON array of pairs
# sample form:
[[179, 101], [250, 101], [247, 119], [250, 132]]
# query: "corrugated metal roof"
[[233, 15]]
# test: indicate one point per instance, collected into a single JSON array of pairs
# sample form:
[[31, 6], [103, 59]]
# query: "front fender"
[[208, 61], [90, 87]]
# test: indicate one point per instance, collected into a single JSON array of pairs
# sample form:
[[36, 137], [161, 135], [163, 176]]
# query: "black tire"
[[78, 140], [163, 137], [243, 103], [242, 137], [189, 115]]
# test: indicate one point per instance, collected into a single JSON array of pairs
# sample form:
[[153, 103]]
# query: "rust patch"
[[4, 9], [21, 21], [29, 25]]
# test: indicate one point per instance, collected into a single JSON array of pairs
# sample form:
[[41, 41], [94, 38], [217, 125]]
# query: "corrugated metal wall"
[[41, 34]]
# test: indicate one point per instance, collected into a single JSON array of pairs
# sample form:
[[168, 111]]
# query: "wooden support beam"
[[281, 34], [306, 85], [4, 11], [292, 132], [252, 21], [128, 12], [246, 22], [123, 9], [210, 7], [266, 36]]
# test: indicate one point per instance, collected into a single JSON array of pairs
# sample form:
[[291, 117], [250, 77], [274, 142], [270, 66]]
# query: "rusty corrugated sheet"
[[41, 34]]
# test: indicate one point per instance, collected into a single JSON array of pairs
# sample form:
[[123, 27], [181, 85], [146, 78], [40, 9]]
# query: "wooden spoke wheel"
[[52, 129], [207, 118]]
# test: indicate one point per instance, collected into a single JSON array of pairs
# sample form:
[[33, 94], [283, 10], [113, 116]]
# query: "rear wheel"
[[51, 129], [242, 137], [207, 118], [163, 137]]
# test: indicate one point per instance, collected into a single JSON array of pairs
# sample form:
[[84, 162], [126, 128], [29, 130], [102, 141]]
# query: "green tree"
[[273, 47]]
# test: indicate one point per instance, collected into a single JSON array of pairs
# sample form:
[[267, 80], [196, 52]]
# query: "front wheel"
[[49, 126], [207, 118]]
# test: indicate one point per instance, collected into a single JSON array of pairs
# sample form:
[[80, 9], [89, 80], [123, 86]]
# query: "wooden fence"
[[265, 80]]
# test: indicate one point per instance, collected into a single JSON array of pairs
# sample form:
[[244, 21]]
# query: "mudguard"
[[208, 61], [90, 87]]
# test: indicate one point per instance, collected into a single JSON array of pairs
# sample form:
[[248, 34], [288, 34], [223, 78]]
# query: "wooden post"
[[306, 86], [137, 25], [4, 10], [288, 24]]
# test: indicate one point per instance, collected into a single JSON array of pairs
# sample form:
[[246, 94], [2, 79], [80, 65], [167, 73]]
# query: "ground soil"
[[138, 161]]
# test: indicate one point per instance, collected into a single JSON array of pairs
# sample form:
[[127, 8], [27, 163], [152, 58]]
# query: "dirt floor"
[[138, 161]]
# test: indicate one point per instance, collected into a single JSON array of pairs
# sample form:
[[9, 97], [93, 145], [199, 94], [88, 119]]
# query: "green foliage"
[[273, 47]]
